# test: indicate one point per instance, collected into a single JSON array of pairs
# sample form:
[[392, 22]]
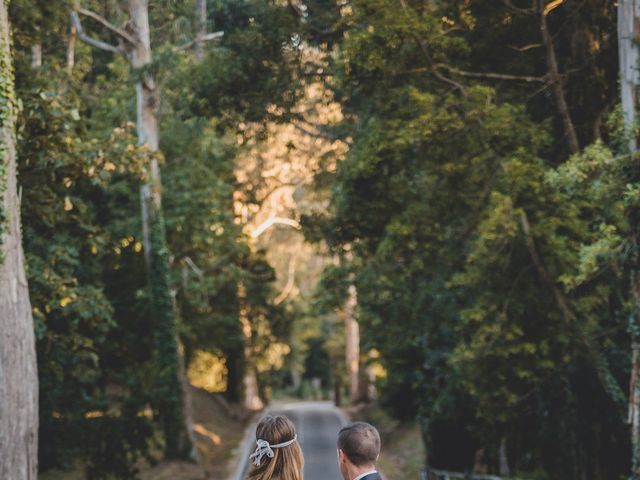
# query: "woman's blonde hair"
[[287, 462]]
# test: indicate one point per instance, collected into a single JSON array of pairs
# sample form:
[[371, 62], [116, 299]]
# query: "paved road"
[[317, 424]]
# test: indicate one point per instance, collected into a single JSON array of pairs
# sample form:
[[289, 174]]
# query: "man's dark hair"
[[360, 442]]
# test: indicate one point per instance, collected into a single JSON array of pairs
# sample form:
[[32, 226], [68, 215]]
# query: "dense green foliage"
[[473, 230], [103, 373], [494, 264]]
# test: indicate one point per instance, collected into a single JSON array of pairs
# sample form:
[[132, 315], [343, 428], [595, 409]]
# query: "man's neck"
[[357, 471]]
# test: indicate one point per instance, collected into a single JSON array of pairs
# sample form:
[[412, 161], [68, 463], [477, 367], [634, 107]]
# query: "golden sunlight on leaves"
[[65, 301], [274, 356], [94, 414], [208, 371], [276, 177], [217, 228], [346, 10], [448, 21], [125, 242]]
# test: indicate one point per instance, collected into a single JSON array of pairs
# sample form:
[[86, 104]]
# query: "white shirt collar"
[[362, 475]]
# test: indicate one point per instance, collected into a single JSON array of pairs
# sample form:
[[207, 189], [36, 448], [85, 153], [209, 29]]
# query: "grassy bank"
[[218, 427]]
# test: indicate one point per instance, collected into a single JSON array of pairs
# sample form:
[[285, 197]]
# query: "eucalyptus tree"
[[18, 367], [629, 55], [135, 43]]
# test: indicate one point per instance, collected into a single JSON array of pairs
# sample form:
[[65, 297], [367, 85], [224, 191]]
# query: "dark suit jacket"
[[372, 476]]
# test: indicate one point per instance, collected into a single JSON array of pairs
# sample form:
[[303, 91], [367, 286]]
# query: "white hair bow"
[[263, 448]]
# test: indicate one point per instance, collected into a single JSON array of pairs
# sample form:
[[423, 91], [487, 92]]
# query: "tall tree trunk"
[[170, 389], [71, 49], [629, 55], [628, 36], [364, 382], [187, 401], [634, 404], [201, 12], [18, 366], [557, 85], [252, 400], [352, 345], [235, 373], [36, 55], [503, 460]]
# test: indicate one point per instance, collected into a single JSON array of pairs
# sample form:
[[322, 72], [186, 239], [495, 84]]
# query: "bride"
[[278, 455]]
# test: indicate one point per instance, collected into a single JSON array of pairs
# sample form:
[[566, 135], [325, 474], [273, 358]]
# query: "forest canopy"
[[432, 205]]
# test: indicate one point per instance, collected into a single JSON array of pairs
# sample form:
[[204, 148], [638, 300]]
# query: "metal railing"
[[428, 473]]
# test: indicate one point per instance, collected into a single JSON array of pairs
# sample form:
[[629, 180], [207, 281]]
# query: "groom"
[[358, 450]]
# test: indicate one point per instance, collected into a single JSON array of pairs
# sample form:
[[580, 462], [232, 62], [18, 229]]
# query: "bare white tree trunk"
[[146, 90], [201, 11], [352, 344], [36, 55], [18, 367], [147, 99], [251, 395], [628, 15], [628, 34], [503, 468], [634, 412], [71, 49]]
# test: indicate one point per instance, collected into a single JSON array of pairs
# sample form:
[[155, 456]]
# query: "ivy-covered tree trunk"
[[18, 367], [629, 54], [169, 393]]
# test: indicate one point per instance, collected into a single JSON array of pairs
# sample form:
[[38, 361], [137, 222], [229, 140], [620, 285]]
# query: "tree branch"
[[602, 369], [92, 41], [103, 21], [551, 6], [71, 49], [191, 264], [212, 36], [494, 76], [321, 135], [425, 52], [524, 11], [526, 47], [291, 276], [557, 85], [264, 226], [205, 38]]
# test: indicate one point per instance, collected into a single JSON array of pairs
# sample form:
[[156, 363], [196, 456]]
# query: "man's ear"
[[341, 456]]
